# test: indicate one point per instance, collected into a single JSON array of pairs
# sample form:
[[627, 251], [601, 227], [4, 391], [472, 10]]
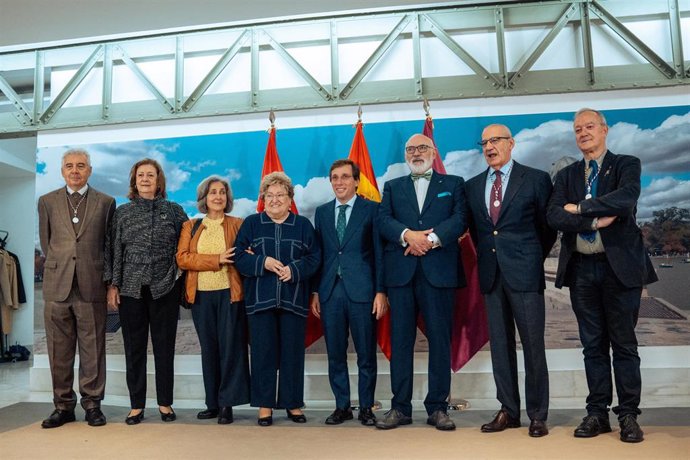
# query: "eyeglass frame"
[[411, 149], [279, 196], [493, 140]]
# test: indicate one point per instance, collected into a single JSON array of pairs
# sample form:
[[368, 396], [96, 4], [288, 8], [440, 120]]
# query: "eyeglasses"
[[277, 196], [493, 140], [410, 149]]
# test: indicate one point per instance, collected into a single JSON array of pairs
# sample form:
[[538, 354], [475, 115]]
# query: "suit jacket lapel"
[[91, 206], [604, 175], [329, 225], [432, 191], [355, 220], [61, 199], [408, 189], [479, 194], [517, 177], [579, 181]]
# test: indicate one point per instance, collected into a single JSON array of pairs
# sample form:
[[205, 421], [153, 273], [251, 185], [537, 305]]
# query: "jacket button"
[[495, 232], [74, 258], [493, 249], [340, 252]]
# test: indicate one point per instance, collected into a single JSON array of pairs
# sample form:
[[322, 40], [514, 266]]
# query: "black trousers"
[[506, 310], [137, 316], [222, 329], [606, 314]]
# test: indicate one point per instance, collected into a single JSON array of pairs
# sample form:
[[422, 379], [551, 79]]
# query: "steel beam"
[[417, 55], [215, 71], [23, 112], [72, 85], [586, 31], [460, 52], [144, 79], [297, 67], [632, 40], [107, 80], [255, 68], [335, 64], [501, 46], [179, 72], [676, 37], [374, 58], [567, 15], [39, 84]]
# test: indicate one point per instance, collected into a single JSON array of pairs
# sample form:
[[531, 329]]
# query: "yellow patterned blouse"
[[212, 241]]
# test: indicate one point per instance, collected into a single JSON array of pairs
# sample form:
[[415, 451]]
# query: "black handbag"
[[182, 280]]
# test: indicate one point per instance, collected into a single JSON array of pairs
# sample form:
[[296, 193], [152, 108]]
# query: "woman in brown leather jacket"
[[214, 289]]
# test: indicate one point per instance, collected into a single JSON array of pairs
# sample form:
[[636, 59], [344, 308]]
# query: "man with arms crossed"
[[73, 222], [507, 221], [349, 289], [604, 263], [421, 217]]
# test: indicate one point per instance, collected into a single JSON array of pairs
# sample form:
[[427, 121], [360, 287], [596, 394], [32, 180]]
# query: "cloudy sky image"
[[660, 137]]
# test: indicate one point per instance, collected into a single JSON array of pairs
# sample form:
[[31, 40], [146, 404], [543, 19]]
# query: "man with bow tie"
[[421, 217], [604, 263], [507, 221]]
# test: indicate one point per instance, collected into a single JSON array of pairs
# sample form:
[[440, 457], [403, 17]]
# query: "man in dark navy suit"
[[421, 217], [349, 293], [604, 263], [507, 221]]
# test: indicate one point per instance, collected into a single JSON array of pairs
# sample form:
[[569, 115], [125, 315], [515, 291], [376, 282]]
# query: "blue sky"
[[659, 136]]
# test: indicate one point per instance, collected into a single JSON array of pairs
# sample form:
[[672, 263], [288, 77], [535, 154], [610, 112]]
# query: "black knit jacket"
[[141, 246]]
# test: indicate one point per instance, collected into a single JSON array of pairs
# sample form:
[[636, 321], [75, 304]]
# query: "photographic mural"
[[659, 136]]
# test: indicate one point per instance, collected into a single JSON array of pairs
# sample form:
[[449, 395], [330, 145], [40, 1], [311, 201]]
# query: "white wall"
[[18, 217]]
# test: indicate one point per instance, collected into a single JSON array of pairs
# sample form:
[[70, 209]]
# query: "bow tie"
[[426, 175]]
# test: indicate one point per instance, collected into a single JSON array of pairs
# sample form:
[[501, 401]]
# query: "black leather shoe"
[[339, 416], [169, 416], [297, 418], [225, 416], [630, 430], [592, 426], [500, 422], [366, 416], [95, 417], [266, 421], [538, 428], [207, 414], [58, 418], [441, 421], [393, 419], [135, 419]]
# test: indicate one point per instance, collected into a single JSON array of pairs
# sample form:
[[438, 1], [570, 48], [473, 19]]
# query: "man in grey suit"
[[507, 220], [73, 222], [349, 294]]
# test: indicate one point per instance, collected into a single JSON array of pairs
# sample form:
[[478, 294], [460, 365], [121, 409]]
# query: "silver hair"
[[601, 116], [203, 189], [277, 178], [77, 151]]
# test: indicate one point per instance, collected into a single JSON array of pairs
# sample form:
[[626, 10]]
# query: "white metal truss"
[[442, 53]]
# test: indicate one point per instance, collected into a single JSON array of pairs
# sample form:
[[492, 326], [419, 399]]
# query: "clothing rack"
[[4, 348]]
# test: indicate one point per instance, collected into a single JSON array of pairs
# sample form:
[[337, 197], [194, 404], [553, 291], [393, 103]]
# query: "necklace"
[[75, 219], [589, 181]]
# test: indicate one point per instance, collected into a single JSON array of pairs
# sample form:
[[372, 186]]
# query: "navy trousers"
[[277, 343], [507, 309], [606, 314], [136, 316], [436, 307], [222, 330], [341, 316]]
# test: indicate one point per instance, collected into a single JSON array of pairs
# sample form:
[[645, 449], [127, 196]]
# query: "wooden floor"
[[667, 433]]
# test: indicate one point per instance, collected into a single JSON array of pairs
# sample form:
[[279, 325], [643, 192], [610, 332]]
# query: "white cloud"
[[663, 193], [243, 207]]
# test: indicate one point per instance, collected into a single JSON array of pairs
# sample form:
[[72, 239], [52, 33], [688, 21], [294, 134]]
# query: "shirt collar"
[[505, 169], [81, 191], [350, 203]]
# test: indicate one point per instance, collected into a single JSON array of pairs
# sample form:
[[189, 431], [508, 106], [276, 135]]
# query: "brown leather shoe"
[[538, 428], [500, 422]]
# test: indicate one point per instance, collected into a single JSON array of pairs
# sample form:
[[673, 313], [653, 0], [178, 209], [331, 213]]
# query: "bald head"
[[419, 153], [497, 145]]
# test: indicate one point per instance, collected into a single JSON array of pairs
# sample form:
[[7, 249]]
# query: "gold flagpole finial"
[[272, 118], [359, 112]]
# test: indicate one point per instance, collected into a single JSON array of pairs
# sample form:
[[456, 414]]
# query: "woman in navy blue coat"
[[277, 254]]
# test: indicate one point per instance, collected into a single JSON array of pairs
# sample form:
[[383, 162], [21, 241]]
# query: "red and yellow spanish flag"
[[369, 189], [271, 164], [470, 324]]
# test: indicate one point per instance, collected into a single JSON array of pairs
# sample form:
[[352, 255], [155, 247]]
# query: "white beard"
[[420, 169]]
